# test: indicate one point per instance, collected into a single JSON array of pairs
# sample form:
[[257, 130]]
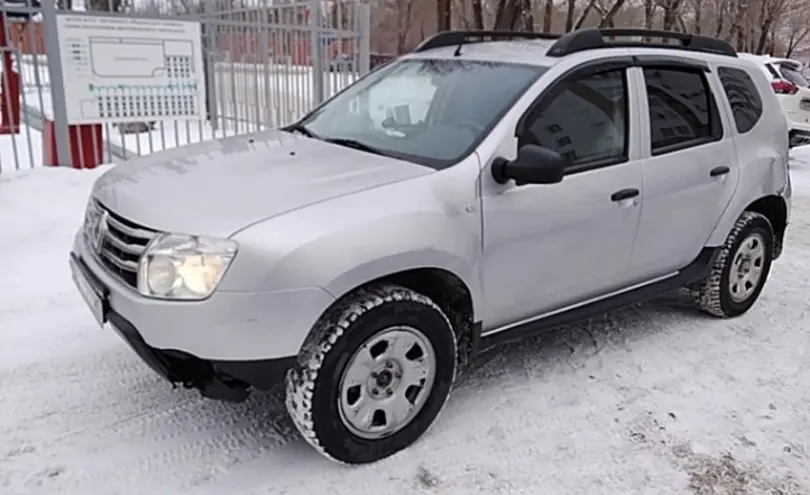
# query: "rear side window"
[[743, 96], [683, 112]]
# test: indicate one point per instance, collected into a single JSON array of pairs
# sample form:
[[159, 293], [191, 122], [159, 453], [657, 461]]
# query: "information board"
[[130, 69]]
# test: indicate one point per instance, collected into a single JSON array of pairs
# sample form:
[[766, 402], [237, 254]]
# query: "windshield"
[[432, 112]]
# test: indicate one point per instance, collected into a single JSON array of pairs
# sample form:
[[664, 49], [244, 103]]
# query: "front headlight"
[[184, 267]]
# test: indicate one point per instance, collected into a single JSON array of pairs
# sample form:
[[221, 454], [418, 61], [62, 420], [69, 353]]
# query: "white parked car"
[[792, 90]]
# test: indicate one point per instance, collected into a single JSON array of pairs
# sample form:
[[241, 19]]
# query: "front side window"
[[682, 109], [586, 121], [432, 112]]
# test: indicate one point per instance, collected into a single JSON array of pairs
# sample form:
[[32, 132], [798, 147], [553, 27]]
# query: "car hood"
[[217, 187]]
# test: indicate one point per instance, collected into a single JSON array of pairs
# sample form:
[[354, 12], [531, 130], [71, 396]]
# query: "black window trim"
[[772, 70], [607, 64], [672, 62], [666, 62]]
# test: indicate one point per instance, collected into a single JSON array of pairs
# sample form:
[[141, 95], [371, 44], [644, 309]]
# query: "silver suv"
[[487, 187]]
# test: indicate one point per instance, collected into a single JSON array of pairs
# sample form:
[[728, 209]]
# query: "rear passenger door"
[[691, 170]]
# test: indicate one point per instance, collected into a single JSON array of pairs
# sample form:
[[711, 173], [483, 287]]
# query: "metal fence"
[[265, 63]]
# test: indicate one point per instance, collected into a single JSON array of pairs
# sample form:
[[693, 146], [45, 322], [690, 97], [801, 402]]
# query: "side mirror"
[[533, 165]]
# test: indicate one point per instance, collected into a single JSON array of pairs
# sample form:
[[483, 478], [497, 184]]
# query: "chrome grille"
[[117, 242]]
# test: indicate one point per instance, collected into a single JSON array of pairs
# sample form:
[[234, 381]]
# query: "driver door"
[[547, 247]]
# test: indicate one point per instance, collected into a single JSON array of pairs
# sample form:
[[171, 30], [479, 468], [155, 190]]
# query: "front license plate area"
[[95, 298]]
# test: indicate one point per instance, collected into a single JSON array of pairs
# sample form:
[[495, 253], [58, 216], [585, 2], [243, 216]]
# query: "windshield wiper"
[[347, 142], [302, 129], [353, 143]]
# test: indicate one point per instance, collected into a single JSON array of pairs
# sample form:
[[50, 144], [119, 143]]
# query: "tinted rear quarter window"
[[743, 96]]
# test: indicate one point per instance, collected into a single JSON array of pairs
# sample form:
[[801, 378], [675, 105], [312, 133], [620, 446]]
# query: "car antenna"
[[457, 53]]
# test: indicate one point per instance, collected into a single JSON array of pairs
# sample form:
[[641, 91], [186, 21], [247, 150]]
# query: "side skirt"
[[695, 271]]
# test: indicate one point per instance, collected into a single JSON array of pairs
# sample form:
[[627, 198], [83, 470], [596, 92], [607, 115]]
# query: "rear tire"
[[741, 269], [373, 375]]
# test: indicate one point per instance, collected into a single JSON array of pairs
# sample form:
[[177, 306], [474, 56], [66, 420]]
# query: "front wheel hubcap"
[[746, 269], [387, 382]]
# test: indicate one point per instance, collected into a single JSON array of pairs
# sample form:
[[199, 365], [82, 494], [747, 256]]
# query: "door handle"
[[624, 194], [718, 171]]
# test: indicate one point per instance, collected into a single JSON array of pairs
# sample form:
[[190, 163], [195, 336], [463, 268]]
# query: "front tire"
[[741, 269], [373, 375]]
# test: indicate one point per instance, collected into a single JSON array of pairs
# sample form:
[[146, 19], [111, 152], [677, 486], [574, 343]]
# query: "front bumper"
[[240, 326], [216, 379], [233, 339]]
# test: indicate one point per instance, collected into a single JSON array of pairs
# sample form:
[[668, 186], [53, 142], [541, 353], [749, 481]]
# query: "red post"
[[86, 145], [10, 97]]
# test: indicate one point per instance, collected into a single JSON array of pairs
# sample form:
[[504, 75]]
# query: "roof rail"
[[459, 38], [593, 38]]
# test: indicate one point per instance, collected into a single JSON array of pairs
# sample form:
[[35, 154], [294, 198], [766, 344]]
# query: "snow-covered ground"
[[21, 151], [652, 399]]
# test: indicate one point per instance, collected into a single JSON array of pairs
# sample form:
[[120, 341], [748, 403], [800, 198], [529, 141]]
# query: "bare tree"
[[649, 12], [506, 14], [671, 10], [570, 8], [769, 12], [776, 26], [609, 15], [795, 28], [443, 14], [583, 16], [548, 11], [478, 14], [527, 15], [405, 16], [510, 13], [697, 7]]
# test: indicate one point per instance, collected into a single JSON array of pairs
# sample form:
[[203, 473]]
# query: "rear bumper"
[[228, 380]]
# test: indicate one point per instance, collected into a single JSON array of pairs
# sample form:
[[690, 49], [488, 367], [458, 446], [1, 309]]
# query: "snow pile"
[[800, 170]]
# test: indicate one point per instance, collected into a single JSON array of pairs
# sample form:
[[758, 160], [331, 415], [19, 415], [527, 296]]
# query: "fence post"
[[364, 28], [58, 100], [208, 31], [267, 121], [315, 23]]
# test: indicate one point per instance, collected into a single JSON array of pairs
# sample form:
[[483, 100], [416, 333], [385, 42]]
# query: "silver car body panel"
[[218, 187]]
